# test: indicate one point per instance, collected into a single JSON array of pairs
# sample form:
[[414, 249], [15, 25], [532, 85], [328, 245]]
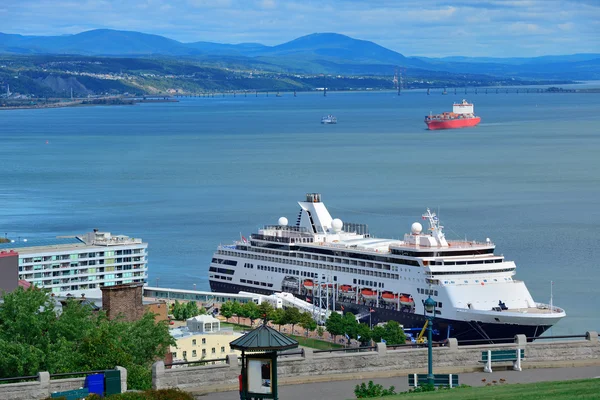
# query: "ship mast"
[[435, 227]]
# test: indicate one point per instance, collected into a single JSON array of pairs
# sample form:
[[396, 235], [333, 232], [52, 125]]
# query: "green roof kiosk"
[[259, 370]]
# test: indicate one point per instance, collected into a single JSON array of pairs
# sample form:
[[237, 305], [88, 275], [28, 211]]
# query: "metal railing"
[[220, 360], [291, 353], [557, 337], [512, 339], [83, 373], [58, 375], [19, 378], [347, 350]]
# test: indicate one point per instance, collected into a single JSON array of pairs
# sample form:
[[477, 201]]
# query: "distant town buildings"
[[81, 265], [202, 339]]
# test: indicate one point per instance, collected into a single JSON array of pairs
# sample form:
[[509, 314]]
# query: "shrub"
[[139, 378], [363, 390], [424, 388]]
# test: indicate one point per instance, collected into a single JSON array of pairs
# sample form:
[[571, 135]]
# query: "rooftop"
[[184, 331], [49, 243], [91, 239]]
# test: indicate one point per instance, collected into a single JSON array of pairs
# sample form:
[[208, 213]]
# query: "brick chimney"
[[125, 300]]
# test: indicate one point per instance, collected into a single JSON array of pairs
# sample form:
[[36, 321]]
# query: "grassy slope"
[[564, 390], [303, 341]]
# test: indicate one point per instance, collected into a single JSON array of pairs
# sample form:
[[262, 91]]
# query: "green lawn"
[[562, 390], [315, 343], [236, 327]]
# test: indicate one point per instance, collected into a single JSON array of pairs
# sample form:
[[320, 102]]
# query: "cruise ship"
[[323, 260]]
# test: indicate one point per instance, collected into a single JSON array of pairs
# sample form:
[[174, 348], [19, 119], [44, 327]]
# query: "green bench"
[[449, 380], [492, 356], [71, 394]]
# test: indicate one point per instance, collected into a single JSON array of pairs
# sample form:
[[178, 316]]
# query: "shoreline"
[[108, 101], [119, 101]]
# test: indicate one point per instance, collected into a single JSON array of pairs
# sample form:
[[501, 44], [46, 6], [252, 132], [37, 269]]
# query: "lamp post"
[[429, 313]]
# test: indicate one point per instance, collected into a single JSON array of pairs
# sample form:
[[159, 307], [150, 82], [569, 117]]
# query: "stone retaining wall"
[[406, 359]]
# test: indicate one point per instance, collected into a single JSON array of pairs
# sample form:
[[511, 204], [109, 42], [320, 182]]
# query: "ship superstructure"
[[326, 261]]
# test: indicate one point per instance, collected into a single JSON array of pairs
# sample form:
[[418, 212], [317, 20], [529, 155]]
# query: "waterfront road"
[[342, 390]]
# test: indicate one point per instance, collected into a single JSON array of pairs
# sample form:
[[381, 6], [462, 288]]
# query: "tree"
[[227, 310], [191, 310], [34, 337], [350, 326], [292, 316], [363, 334], [179, 311], [335, 325], [250, 310], [320, 332], [307, 322], [278, 317], [265, 310], [391, 332], [236, 309]]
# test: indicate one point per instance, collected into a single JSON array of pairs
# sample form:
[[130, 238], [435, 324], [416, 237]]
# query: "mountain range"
[[329, 53]]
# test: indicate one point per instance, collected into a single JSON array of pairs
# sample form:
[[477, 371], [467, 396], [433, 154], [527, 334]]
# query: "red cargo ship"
[[461, 116]]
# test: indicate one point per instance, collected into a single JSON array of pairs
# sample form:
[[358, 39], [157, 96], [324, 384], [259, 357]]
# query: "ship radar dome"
[[416, 228], [283, 221], [337, 225]]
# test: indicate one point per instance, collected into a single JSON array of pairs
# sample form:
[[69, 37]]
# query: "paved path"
[[342, 390]]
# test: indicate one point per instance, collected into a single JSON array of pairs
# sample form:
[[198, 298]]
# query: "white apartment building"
[[81, 265]]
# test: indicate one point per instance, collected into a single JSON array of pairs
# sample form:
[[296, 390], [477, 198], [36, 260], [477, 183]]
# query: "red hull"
[[452, 123]]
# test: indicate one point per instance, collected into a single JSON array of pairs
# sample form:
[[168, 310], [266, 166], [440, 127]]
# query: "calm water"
[[190, 175]]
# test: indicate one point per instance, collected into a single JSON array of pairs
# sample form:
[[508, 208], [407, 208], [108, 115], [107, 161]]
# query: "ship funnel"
[[313, 197]]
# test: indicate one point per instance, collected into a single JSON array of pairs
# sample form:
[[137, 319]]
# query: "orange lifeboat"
[[407, 300], [368, 294], [345, 288], [389, 296], [308, 284]]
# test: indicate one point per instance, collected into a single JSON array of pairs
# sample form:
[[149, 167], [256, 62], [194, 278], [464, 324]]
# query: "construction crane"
[[421, 339]]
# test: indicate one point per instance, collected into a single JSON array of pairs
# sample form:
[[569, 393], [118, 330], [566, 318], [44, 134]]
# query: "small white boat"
[[330, 119]]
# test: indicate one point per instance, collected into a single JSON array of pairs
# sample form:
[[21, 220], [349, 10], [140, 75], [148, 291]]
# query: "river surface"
[[187, 176]]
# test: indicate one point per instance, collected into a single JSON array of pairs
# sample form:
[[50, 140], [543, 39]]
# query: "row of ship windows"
[[487, 271], [195, 354], [368, 283], [222, 270], [310, 257], [307, 274], [430, 292], [222, 261], [225, 278], [256, 283], [314, 265], [481, 280], [495, 260]]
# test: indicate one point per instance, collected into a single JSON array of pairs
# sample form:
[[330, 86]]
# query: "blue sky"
[[495, 28]]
